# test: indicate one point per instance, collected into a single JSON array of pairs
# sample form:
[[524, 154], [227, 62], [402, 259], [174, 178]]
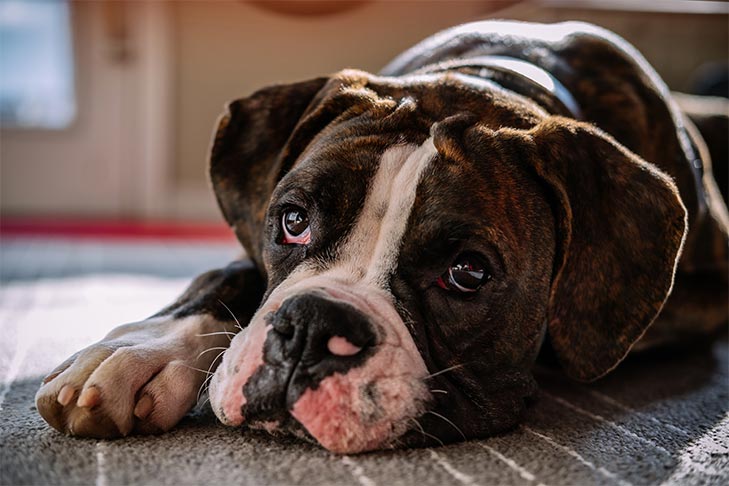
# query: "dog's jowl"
[[415, 237]]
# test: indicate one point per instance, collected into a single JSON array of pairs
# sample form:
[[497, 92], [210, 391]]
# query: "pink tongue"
[[339, 346]]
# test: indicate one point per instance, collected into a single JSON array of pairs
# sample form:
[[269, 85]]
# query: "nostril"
[[339, 346], [312, 329], [282, 326]]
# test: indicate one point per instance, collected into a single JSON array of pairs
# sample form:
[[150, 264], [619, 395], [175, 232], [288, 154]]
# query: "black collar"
[[519, 76]]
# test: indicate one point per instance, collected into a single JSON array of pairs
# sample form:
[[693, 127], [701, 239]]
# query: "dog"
[[415, 238]]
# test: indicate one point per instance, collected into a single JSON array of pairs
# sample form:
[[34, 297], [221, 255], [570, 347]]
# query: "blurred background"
[[107, 107]]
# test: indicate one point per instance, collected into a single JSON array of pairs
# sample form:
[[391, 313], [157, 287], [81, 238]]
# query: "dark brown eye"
[[295, 225], [466, 274]]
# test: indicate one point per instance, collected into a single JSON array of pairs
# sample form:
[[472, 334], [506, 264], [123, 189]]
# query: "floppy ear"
[[259, 139], [621, 225], [246, 152]]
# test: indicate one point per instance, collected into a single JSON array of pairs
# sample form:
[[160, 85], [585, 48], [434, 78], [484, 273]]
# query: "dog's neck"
[[519, 76]]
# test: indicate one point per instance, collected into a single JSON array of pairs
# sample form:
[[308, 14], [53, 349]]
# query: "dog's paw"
[[141, 378]]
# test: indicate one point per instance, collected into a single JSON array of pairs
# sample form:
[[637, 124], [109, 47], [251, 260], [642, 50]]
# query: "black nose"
[[313, 337], [321, 333]]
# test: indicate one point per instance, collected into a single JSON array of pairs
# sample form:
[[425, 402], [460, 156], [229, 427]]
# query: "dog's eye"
[[466, 274], [295, 224]]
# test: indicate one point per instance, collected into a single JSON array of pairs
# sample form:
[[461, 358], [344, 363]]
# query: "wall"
[[233, 48], [229, 49], [139, 147]]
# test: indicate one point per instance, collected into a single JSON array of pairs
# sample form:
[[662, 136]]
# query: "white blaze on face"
[[374, 244], [338, 413]]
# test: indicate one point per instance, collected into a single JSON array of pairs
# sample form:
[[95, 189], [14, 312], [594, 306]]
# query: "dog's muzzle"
[[335, 358], [310, 337]]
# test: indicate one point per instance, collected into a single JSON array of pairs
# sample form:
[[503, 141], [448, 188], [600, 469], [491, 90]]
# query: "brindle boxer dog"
[[416, 236]]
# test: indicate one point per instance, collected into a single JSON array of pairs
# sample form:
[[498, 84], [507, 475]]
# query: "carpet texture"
[[658, 419]]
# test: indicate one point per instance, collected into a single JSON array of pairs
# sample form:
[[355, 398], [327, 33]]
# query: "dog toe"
[[166, 398], [92, 422], [143, 407], [90, 397], [66, 395], [60, 369], [50, 409], [141, 378], [111, 393]]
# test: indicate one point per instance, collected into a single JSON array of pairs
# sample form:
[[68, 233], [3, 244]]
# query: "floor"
[[662, 419]]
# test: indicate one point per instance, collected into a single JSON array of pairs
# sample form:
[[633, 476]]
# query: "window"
[[36, 65]]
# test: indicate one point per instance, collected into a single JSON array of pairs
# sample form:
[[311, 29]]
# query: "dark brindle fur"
[[602, 233]]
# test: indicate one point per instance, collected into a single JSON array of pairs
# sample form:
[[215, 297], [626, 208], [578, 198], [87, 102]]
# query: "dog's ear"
[[260, 138], [621, 226], [246, 151]]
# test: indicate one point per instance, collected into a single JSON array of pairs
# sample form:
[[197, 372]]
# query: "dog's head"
[[420, 236]]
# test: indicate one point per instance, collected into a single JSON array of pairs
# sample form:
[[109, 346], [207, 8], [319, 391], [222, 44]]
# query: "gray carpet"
[[660, 419]]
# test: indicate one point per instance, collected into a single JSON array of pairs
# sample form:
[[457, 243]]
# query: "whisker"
[[439, 391], [395, 443], [203, 388], [228, 333], [231, 313], [449, 422], [210, 374], [210, 349], [406, 317], [443, 371], [216, 358], [422, 431], [196, 369]]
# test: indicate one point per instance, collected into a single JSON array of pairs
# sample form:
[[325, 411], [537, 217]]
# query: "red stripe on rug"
[[115, 229]]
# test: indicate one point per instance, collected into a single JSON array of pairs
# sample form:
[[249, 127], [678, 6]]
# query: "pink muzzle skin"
[[363, 409], [339, 346], [239, 364]]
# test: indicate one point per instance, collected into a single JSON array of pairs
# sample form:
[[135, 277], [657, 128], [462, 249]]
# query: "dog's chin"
[[334, 426], [337, 443], [345, 417], [364, 409]]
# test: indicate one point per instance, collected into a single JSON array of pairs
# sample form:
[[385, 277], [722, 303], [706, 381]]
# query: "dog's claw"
[[89, 398], [143, 407], [66, 395]]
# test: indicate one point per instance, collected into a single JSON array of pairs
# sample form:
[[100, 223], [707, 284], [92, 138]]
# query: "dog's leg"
[[145, 376]]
